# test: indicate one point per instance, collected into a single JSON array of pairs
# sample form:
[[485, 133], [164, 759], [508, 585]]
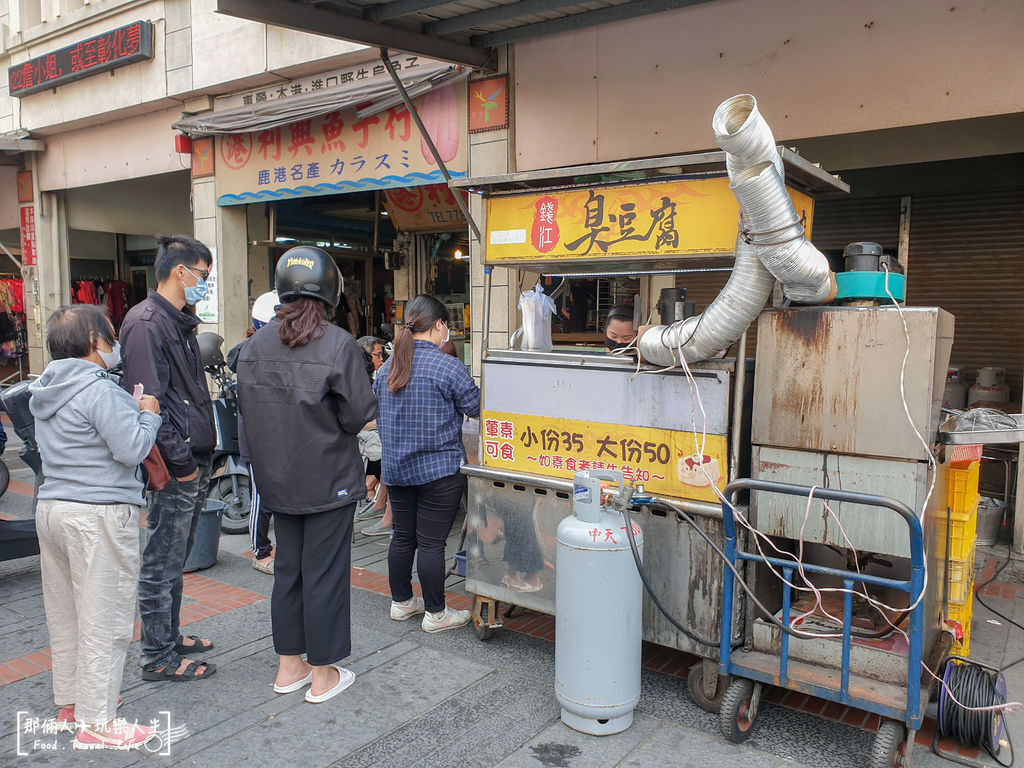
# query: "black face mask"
[[613, 345]]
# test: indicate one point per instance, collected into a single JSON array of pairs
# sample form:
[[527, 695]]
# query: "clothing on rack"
[[115, 295], [12, 293]]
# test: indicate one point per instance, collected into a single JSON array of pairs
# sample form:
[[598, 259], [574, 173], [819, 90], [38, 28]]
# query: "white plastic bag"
[[537, 309]]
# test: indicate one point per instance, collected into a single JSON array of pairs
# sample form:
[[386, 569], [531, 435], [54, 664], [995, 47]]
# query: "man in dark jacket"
[[160, 351]]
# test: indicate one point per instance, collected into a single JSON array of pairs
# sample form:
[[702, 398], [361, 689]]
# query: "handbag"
[[156, 471]]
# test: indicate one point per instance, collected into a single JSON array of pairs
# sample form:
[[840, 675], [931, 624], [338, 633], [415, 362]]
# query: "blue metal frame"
[[913, 713]]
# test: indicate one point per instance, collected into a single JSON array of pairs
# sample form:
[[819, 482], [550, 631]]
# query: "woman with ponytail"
[[424, 396]]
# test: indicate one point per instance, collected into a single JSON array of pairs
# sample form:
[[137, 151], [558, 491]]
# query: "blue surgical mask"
[[196, 293], [111, 359]]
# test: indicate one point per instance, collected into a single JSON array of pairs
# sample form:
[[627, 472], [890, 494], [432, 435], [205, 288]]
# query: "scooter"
[[18, 537], [229, 477]]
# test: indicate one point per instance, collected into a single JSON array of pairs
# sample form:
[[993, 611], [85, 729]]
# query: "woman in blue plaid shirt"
[[424, 396]]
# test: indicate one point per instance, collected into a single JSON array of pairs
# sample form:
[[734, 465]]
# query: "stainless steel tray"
[[982, 436]]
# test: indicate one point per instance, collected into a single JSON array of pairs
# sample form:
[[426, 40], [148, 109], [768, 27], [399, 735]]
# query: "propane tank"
[[598, 612], [955, 393], [991, 387]]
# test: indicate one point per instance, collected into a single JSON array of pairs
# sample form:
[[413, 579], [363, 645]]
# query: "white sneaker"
[[407, 609], [449, 618]]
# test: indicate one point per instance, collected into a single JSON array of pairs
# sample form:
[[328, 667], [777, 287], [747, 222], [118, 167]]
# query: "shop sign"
[[338, 152], [117, 48], [429, 207], [690, 217], [667, 462], [364, 74], [207, 310], [28, 235]]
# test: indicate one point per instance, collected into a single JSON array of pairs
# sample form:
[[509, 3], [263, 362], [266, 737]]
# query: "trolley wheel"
[[889, 749], [481, 627], [695, 683], [734, 714]]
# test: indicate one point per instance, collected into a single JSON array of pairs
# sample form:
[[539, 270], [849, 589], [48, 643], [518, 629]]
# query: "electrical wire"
[[713, 643], [977, 594], [978, 721]]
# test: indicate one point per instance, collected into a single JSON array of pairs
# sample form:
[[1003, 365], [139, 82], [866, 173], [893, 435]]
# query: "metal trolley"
[[902, 708]]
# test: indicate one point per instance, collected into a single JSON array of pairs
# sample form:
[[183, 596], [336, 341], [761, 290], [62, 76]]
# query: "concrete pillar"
[[224, 228], [490, 154], [47, 285]]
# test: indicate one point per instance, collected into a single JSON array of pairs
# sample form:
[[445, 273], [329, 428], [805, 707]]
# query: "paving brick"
[[41, 660], [813, 705], [8, 675], [26, 668], [833, 711]]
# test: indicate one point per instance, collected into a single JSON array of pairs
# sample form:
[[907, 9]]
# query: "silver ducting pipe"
[[721, 323], [757, 178], [772, 245]]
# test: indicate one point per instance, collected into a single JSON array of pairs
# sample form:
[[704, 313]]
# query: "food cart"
[[546, 415]]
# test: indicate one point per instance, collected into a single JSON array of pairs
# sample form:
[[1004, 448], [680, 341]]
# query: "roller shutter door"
[[967, 256]]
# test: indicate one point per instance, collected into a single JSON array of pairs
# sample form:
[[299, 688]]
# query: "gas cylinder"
[[990, 388], [955, 393], [598, 612]]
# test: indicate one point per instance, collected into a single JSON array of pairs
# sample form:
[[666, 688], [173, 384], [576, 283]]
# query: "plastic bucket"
[[990, 520], [207, 538], [460, 563]]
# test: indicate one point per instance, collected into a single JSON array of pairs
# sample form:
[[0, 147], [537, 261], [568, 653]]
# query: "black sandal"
[[198, 644], [170, 672]]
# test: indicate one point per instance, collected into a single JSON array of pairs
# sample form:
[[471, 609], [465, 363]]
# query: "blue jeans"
[[171, 519]]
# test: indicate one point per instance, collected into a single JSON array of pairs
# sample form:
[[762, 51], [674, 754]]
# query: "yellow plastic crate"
[[962, 614], [963, 490], [961, 580], [962, 534]]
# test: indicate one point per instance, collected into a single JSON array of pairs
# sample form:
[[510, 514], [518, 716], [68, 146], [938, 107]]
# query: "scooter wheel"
[[235, 518], [5, 477]]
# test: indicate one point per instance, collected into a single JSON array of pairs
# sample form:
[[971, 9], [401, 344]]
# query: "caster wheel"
[[482, 629], [695, 683], [734, 715], [889, 749]]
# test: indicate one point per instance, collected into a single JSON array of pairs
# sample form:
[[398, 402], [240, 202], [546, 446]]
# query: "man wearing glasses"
[[160, 352]]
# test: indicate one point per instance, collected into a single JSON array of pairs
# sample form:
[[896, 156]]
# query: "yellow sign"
[[698, 216], [666, 462], [339, 152]]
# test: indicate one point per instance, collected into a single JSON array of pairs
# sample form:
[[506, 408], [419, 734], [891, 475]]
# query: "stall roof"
[[463, 32], [806, 176], [270, 114]]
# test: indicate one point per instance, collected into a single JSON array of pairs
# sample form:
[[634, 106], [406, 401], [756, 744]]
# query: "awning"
[[381, 92], [452, 30]]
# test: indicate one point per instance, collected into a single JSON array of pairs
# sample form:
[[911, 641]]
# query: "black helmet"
[[209, 349], [308, 271]]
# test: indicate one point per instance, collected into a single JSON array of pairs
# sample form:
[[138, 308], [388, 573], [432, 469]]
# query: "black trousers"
[[423, 519], [309, 607]]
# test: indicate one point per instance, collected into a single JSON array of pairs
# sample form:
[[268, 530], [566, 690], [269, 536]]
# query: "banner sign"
[[646, 220], [207, 310], [338, 152], [28, 235], [117, 48], [430, 207], [665, 461]]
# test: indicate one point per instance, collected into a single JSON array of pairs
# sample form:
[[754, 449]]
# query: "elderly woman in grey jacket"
[[92, 437]]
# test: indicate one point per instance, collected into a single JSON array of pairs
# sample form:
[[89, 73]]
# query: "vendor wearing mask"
[[619, 331]]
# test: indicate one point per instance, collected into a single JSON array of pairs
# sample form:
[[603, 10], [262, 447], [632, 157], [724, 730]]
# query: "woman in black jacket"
[[303, 395]]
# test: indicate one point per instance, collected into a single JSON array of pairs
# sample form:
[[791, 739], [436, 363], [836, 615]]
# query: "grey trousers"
[[171, 518], [89, 558]]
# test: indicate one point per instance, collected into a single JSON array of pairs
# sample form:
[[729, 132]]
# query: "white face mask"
[[111, 359], [447, 334]]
